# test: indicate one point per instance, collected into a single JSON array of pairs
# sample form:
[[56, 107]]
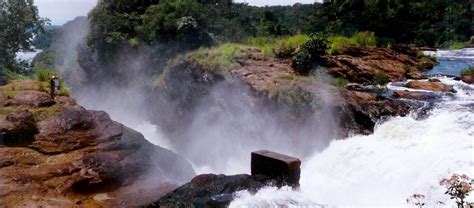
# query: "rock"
[[284, 169], [469, 79], [73, 154], [31, 98], [431, 86], [17, 129], [363, 64], [414, 95], [360, 111], [211, 190]]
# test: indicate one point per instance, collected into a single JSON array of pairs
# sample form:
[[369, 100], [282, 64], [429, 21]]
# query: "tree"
[[19, 23]]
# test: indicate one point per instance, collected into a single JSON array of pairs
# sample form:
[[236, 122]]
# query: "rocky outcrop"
[[364, 64], [469, 79], [414, 95], [55, 153], [430, 86], [212, 190]]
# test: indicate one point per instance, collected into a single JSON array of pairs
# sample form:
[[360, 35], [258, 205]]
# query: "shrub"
[[339, 82], [42, 74], [309, 53], [64, 90], [10, 93], [381, 79], [458, 187], [467, 72]]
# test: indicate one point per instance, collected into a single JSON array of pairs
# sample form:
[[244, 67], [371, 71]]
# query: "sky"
[[61, 11]]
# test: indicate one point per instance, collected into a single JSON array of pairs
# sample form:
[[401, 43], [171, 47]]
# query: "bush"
[[339, 82], [467, 72], [381, 79], [458, 187], [42, 74], [309, 53], [64, 90]]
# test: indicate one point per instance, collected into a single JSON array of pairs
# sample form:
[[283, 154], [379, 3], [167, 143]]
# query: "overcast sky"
[[61, 11]]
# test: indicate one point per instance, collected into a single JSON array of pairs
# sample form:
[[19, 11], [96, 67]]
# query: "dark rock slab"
[[283, 168], [212, 191]]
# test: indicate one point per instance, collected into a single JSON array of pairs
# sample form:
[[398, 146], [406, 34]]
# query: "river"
[[403, 156]]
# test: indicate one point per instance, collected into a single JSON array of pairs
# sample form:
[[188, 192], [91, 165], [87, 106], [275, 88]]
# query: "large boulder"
[[430, 86], [212, 190], [63, 155]]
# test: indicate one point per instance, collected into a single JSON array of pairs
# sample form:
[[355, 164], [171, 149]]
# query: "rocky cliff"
[[274, 84], [55, 153]]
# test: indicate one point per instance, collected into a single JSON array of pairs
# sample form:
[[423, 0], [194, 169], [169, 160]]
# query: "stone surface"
[[211, 191], [469, 79], [414, 95], [431, 86], [64, 156], [283, 168], [31, 98], [362, 64]]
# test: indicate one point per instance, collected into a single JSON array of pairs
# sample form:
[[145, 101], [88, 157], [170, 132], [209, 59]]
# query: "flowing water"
[[403, 156]]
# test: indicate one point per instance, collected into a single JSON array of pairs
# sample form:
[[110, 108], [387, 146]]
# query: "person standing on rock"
[[54, 82]]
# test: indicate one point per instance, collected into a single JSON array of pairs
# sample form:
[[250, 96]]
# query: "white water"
[[404, 156]]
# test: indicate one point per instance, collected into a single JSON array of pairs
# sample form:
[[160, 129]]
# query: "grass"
[[459, 45], [467, 72], [337, 43], [64, 90], [220, 58], [281, 47], [42, 74], [339, 82], [10, 92]]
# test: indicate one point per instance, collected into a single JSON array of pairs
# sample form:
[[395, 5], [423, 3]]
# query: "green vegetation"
[[64, 90], [459, 45], [282, 47], [339, 82], [10, 92], [421, 22], [310, 53], [467, 72], [337, 43], [381, 79], [221, 57], [19, 23], [42, 74]]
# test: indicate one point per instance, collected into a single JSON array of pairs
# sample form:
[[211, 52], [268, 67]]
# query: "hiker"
[[54, 82]]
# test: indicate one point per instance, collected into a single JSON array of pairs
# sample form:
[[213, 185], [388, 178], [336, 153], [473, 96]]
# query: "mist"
[[225, 126]]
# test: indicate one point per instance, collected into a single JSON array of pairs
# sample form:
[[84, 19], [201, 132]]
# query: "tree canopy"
[[19, 23]]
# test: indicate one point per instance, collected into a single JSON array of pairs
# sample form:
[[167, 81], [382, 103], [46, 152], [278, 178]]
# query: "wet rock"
[[212, 190], [31, 98], [360, 111], [414, 95], [72, 154], [284, 169], [431, 86], [469, 79]]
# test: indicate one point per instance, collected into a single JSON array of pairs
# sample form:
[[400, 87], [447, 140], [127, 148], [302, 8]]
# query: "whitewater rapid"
[[404, 156]]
